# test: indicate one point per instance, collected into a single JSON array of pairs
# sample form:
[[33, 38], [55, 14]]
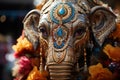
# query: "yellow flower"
[[116, 33], [36, 75], [97, 72], [112, 52], [22, 43]]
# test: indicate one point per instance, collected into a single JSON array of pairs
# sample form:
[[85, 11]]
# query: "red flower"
[[25, 65]]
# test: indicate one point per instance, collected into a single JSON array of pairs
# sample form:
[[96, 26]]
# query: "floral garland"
[[27, 61]]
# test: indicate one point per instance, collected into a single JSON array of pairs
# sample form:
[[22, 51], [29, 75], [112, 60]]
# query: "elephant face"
[[67, 26]]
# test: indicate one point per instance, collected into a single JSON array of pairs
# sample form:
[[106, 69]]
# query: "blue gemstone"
[[58, 46], [62, 11], [60, 32]]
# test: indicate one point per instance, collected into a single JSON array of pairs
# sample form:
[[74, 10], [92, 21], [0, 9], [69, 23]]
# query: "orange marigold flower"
[[23, 47], [97, 72], [112, 52], [36, 75], [22, 44], [116, 33]]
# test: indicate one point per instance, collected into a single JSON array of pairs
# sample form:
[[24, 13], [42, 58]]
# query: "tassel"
[[85, 63]]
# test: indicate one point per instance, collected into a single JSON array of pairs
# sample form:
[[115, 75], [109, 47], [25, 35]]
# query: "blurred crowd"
[[6, 57]]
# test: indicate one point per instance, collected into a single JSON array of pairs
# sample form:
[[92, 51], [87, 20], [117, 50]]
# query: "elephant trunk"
[[60, 71], [60, 64]]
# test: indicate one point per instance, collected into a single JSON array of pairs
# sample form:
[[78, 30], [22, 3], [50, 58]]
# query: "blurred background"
[[12, 13]]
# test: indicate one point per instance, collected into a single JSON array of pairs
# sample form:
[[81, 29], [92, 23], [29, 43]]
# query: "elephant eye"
[[43, 30], [79, 32]]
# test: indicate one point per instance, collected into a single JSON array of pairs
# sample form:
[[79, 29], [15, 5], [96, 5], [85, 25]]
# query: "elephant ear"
[[103, 23], [31, 22]]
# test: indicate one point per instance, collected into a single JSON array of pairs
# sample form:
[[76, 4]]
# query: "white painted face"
[[64, 25]]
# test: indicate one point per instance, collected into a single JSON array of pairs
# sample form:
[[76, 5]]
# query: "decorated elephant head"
[[68, 26]]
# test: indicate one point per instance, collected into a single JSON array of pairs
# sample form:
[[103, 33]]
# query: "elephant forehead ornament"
[[68, 26]]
